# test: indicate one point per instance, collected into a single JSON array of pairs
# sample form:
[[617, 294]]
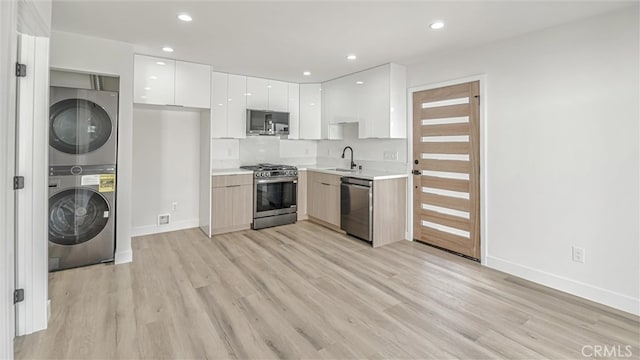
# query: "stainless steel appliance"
[[356, 207], [81, 215], [82, 127], [275, 195], [261, 122]]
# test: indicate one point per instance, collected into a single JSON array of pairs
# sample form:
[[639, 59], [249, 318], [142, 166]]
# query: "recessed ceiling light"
[[143, 97], [147, 88], [167, 49], [153, 77], [269, 86], [184, 17], [437, 25], [247, 94], [306, 73], [312, 104], [161, 63], [351, 57], [220, 104], [359, 82], [229, 99]]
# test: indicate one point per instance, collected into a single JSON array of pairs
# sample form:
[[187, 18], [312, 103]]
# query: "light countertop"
[[367, 174], [232, 171]]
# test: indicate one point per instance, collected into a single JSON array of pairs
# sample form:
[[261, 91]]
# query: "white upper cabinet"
[[373, 102], [375, 99], [228, 110], [344, 100], [161, 81], [219, 108], [310, 111], [193, 83], [278, 95], [237, 106], [264, 94], [154, 80], [294, 110], [257, 93]]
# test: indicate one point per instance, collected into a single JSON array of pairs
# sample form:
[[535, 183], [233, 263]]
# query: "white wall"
[[34, 17], [562, 153], [80, 53], [166, 168], [8, 52]]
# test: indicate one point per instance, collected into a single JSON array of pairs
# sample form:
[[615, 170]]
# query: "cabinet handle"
[[233, 186], [325, 184]]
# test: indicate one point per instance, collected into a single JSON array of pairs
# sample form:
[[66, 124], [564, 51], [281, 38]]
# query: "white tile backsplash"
[[225, 149], [370, 153], [259, 149]]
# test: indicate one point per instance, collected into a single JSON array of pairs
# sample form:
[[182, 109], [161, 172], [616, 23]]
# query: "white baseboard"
[[603, 296], [157, 229], [123, 257]]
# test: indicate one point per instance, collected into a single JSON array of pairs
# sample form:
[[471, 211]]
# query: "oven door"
[[275, 196]]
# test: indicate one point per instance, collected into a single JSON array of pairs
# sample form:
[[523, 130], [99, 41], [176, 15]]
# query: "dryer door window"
[[76, 216], [78, 126]]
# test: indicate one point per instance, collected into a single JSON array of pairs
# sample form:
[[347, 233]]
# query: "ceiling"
[[280, 40]]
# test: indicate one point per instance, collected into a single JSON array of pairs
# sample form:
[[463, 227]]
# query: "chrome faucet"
[[353, 165]]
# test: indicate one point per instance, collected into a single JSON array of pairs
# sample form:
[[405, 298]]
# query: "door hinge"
[[21, 70], [18, 296], [18, 182]]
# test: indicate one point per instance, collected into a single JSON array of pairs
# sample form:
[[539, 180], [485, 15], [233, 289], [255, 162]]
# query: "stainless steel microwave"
[[262, 122]]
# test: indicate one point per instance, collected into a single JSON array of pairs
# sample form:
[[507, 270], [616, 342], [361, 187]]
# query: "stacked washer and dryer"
[[82, 176]]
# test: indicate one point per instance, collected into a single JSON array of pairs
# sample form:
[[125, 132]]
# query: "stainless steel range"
[[275, 195]]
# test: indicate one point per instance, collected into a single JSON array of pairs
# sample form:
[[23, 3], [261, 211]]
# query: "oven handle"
[[277, 180]]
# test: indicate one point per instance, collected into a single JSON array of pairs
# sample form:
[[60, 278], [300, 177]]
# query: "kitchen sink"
[[342, 170]]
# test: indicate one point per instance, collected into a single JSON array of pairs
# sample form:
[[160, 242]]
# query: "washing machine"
[[81, 215], [83, 127]]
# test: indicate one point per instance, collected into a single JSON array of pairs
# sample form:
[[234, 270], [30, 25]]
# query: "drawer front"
[[324, 178], [231, 180]]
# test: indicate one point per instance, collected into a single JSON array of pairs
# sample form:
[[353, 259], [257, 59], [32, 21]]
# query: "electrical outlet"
[[391, 155], [174, 206], [164, 219], [578, 254]]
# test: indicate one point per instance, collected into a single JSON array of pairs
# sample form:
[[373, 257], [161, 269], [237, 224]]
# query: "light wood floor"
[[302, 291]]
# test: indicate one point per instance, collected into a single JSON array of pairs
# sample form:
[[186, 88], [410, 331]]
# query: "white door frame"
[[8, 56], [32, 201], [484, 240]]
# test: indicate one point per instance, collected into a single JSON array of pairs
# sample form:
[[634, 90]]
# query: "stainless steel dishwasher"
[[356, 207]]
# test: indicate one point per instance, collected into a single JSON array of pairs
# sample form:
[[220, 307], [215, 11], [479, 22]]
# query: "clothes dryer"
[[83, 127]]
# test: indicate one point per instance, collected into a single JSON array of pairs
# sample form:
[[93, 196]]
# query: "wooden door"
[[446, 166]]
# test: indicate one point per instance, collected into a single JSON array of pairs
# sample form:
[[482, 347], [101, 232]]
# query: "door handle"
[[416, 172]]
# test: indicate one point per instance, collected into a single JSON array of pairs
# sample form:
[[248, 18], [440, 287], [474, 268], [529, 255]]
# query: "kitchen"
[[167, 154]]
